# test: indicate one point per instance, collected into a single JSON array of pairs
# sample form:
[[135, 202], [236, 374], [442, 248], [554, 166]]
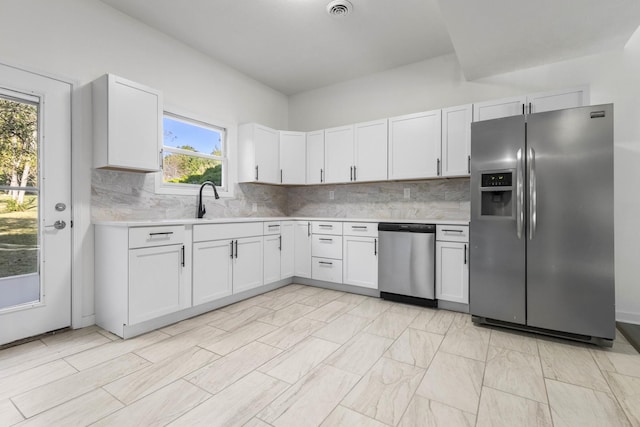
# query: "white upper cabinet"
[[499, 108], [315, 157], [292, 157], [558, 100], [127, 125], [338, 154], [370, 151], [456, 140], [414, 145], [258, 154]]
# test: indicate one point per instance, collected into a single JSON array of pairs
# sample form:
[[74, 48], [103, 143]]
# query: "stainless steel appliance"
[[406, 267], [541, 230]]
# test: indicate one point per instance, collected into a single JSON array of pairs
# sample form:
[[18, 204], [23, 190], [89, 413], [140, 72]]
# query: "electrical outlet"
[[254, 207], [332, 195], [407, 193]]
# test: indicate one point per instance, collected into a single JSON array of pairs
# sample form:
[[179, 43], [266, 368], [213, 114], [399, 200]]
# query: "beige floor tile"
[[256, 422], [178, 343], [408, 309], [225, 371], [415, 347], [243, 305], [299, 360], [286, 315], [147, 380], [571, 363], [291, 288], [385, 391], [194, 322], [467, 340], [281, 301], [40, 375], [353, 299], [498, 408], [454, 381], [360, 354], [97, 355], [47, 396], [424, 412], [514, 340], [516, 373], [342, 329], [344, 417], [241, 318], [310, 400], [330, 311], [622, 358], [158, 408], [9, 414], [435, 321], [321, 298], [292, 333], [226, 343], [627, 391], [572, 405], [389, 324], [235, 405], [81, 411], [370, 308], [22, 351]]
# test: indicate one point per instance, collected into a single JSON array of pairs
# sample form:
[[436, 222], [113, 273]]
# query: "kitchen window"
[[193, 151]]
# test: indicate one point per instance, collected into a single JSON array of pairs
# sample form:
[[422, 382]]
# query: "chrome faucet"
[[201, 208]]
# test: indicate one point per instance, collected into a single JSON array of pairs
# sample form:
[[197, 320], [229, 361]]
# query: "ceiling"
[[295, 46]]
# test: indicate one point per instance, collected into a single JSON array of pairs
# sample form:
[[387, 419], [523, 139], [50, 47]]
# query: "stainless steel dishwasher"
[[406, 267]]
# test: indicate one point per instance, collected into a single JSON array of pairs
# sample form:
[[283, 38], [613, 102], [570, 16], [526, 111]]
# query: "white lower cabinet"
[[247, 264], [452, 265], [272, 258], [302, 258], [360, 261], [326, 269], [212, 270], [287, 249]]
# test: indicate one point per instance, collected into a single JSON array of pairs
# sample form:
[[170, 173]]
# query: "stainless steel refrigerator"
[[541, 233]]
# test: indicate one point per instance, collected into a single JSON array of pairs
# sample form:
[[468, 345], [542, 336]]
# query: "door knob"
[[58, 225]]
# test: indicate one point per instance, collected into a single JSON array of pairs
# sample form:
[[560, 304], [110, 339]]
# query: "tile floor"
[[305, 356]]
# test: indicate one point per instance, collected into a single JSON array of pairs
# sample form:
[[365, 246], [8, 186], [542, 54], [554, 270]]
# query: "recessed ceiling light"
[[339, 8]]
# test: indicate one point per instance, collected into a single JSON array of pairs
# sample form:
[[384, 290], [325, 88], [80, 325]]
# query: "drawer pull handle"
[[325, 262], [453, 231], [273, 225], [325, 226], [325, 240], [359, 227], [163, 233]]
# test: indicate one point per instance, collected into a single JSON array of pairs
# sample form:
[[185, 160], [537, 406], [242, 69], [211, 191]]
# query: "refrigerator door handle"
[[519, 193], [531, 165]]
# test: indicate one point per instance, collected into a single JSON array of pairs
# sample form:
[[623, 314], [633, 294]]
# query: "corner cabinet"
[[147, 281], [258, 154], [452, 263], [127, 125]]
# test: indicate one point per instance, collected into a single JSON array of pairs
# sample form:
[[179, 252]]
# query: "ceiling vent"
[[339, 8]]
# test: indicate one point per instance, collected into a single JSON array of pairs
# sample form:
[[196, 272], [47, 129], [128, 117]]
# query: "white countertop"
[[192, 221]]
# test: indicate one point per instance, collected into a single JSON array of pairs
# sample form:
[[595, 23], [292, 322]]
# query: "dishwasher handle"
[[406, 228]]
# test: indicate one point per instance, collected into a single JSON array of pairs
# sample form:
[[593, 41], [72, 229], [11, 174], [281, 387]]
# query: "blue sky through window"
[[178, 134]]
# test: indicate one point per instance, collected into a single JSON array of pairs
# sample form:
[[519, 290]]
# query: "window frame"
[[228, 141]]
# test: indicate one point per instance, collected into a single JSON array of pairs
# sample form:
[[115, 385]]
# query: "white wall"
[[80, 40], [613, 77]]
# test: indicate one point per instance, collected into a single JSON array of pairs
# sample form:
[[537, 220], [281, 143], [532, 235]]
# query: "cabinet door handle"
[[280, 242], [351, 173], [231, 249], [523, 109], [182, 256], [530, 109], [308, 228], [469, 164], [465, 254], [438, 167], [355, 176], [280, 176], [321, 177], [236, 249], [375, 246], [161, 162], [325, 262], [163, 233], [256, 172]]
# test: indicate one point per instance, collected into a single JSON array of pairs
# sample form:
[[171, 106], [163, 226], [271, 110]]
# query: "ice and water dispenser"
[[497, 194]]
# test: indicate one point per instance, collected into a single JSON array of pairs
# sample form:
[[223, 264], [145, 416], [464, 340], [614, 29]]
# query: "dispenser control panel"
[[502, 179]]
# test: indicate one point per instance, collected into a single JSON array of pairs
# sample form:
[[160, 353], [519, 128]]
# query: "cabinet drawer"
[[206, 232], [144, 237], [271, 227], [329, 270], [365, 229], [452, 233], [318, 227], [326, 246]]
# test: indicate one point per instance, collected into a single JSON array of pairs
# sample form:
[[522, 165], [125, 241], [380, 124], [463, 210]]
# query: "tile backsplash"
[[119, 195]]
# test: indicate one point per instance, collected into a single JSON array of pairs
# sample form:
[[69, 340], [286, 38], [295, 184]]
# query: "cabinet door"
[[370, 151], [456, 140], [271, 258], [287, 249], [155, 275], [247, 264], [302, 245], [338, 154], [558, 100], [267, 154], [360, 263], [315, 157], [414, 145], [292, 157], [452, 272], [212, 270], [499, 108]]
